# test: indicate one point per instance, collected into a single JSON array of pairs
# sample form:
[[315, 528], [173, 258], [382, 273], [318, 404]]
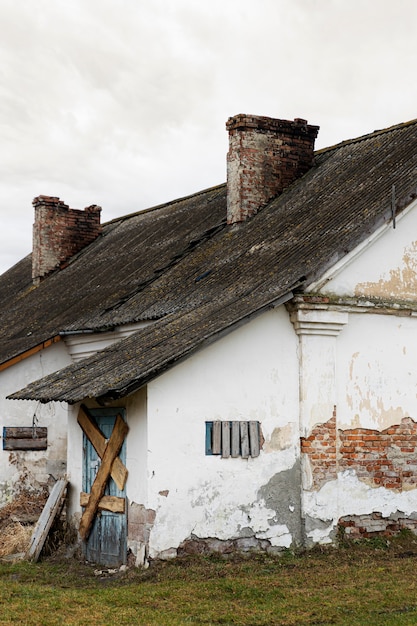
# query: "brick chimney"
[[60, 232], [265, 156]]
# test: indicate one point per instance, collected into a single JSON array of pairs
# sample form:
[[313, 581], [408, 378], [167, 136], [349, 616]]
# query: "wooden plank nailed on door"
[[98, 441], [114, 504], [111, 451]]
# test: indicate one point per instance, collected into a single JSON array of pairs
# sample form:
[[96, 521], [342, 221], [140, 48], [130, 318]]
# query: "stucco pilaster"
[[317, 330]]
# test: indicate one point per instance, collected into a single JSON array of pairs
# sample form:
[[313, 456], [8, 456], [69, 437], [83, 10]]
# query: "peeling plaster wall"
[[376, 414], [252, 374], [362, 461], [376, 371], [358, 466], [32, 469], [370, 487], [374, 273]]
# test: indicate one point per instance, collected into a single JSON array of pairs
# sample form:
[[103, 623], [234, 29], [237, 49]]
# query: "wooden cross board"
[[110, 465], [98, 441]]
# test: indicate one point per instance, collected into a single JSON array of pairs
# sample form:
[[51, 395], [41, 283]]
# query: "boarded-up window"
[[233, 438], [25, 438]]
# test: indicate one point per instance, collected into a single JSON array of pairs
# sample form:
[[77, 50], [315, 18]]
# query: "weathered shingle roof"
[[131, 252], [183, 267]]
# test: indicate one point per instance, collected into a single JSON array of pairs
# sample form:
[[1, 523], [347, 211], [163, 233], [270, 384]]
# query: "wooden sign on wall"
[[25, 438]]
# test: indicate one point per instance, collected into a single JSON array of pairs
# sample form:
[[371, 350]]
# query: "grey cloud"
[[123, 103]]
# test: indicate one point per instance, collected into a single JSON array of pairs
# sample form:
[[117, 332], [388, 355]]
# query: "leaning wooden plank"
[[97, 489], [107, 503], [98, 441], [41, 530]]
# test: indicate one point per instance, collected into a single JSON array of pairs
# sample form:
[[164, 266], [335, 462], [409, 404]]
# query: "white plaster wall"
[[385, 268], [74, 464], [376, 371], [38, 465], [251, 374], [350, 496], [137, 447]]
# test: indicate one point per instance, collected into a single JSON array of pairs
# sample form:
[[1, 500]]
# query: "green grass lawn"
[[358, 584]]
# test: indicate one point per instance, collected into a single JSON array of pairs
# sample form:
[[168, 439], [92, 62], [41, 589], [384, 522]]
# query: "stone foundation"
[[210, 545], [374, 524]]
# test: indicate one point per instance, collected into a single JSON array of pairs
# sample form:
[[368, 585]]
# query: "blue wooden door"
[[106, 544]]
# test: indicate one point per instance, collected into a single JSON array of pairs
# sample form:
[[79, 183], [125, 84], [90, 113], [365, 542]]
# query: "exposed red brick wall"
[[387, 458], [320, 447], [60, 232], [265, 156], [384, 458]]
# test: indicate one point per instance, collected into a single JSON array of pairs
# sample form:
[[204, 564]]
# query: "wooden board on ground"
[[51, 508]]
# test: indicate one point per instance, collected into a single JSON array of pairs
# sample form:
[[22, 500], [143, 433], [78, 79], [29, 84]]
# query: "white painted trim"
[[83, 345], [319, 322]]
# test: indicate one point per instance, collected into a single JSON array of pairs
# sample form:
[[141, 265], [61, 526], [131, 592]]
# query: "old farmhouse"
[[233, 370]]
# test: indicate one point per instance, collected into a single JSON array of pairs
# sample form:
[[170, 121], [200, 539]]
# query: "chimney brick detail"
[[60, 232], [265, 156]]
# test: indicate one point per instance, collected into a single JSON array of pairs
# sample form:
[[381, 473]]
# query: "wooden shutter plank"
[[244, 439], [225, 439], [209, 438], [45, 520], [254, 438], [235, 439], [97, 489], [107, 503], [93, 433], [217, 437]]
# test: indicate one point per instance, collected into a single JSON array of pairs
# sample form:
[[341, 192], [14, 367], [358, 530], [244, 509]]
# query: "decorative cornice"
[[318, 322]]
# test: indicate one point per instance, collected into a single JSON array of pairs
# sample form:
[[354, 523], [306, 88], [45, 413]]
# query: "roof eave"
[[105, 396]]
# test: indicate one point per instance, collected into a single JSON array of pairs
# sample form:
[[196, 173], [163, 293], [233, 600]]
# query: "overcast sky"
[[123, 103]]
